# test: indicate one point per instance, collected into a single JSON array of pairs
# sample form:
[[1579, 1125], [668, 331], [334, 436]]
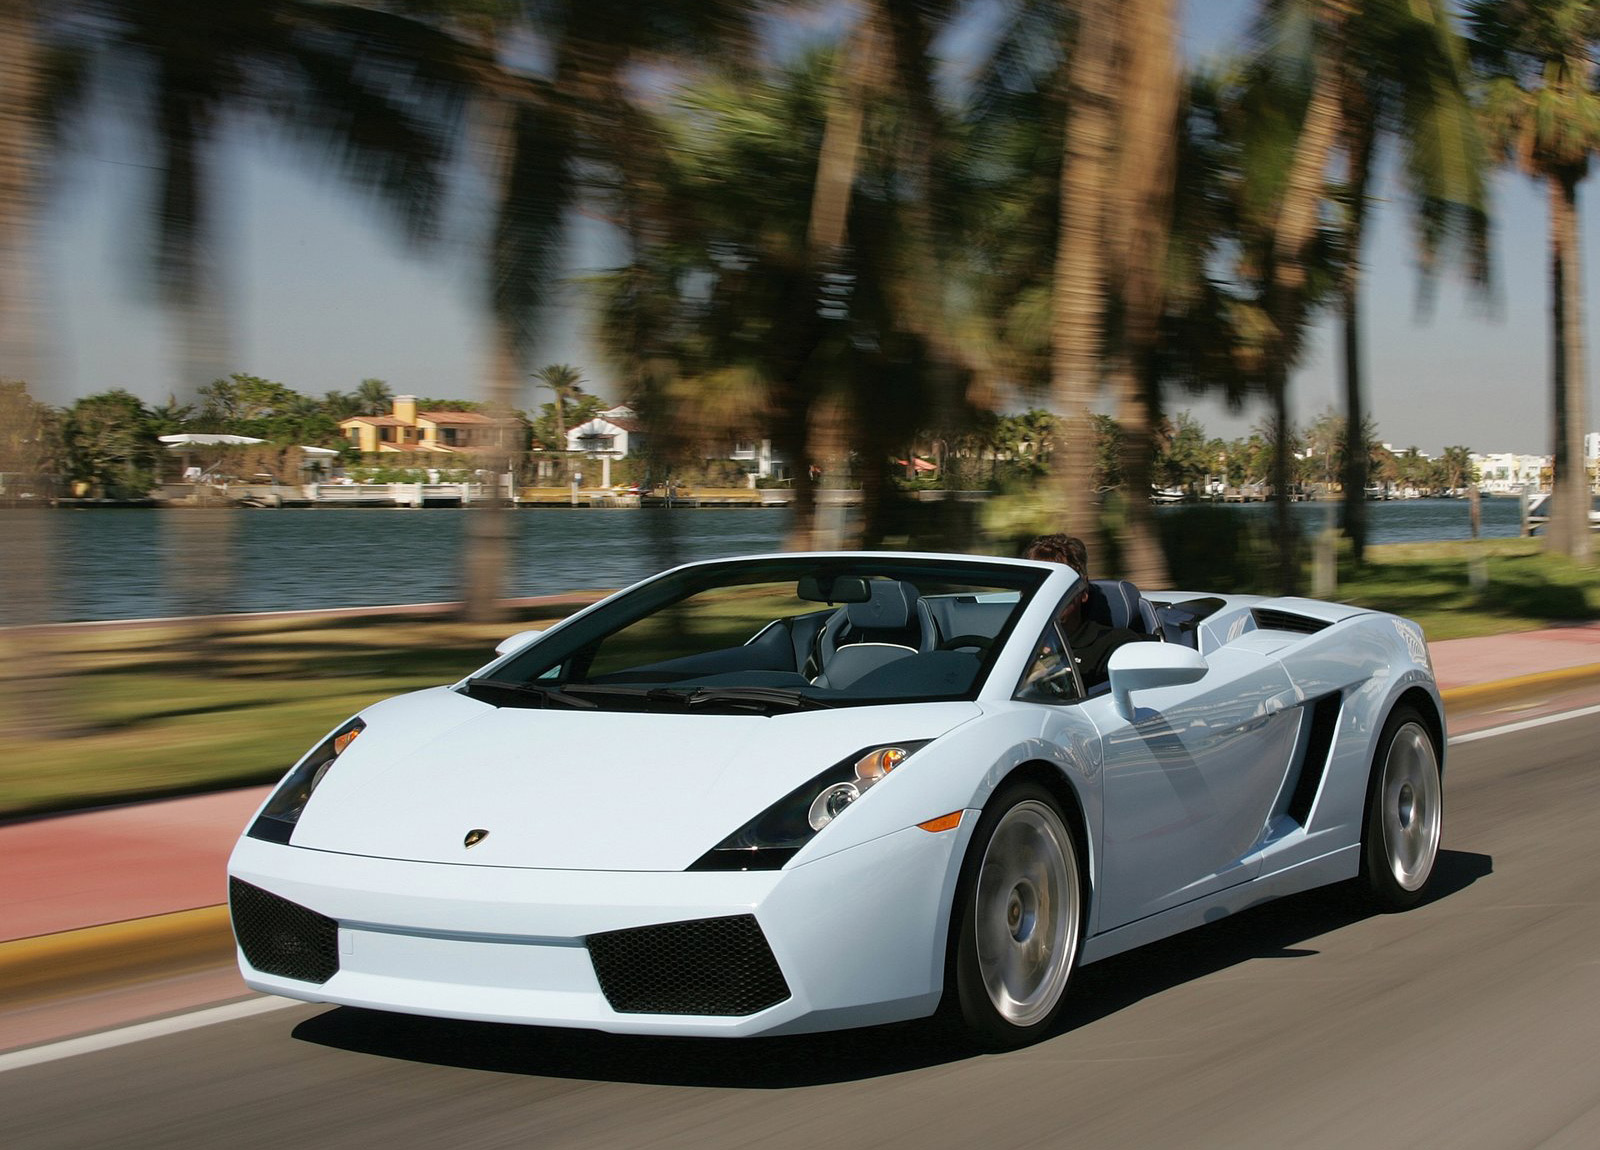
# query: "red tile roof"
[[456, 418]]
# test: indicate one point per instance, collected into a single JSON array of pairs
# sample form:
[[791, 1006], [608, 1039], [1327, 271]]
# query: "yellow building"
[[410, 431]]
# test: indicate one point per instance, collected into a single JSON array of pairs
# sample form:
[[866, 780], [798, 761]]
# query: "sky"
[[322, 296]]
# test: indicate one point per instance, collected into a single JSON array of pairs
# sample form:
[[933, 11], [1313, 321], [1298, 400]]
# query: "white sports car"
[[809, 791]]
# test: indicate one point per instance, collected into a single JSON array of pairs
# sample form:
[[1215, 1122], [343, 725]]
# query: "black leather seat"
[[1117, 603], [887, 625]]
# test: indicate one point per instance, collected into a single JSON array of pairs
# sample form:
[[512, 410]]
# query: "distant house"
[[1506, 472], [409, 431], [615, 433], [756, 455]]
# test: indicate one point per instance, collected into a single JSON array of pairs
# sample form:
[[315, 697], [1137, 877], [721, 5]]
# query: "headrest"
[[888, 609], [1116, 603]]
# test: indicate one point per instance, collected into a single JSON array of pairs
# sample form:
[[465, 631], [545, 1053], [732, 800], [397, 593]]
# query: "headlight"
[[276, 821], [776, 835]]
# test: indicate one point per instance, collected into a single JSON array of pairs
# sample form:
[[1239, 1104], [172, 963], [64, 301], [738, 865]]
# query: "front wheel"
[[1405, 813], [1019, 916]]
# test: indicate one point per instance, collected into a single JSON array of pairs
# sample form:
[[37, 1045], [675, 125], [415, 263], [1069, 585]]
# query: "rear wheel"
[[1405, 813], [1019, 916]]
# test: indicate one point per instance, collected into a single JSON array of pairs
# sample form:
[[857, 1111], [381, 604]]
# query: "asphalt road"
[[1472, 1021]]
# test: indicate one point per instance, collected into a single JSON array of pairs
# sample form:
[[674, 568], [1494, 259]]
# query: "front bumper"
[[857, 938]]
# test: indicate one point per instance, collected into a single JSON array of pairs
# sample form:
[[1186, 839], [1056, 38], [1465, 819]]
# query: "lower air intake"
[[281, 937], [715, 966]]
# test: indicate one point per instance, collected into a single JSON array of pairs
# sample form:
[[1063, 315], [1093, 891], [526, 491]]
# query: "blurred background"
[[545, 296]]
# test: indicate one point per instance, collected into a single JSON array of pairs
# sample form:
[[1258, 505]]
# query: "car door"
[[1188, 784]]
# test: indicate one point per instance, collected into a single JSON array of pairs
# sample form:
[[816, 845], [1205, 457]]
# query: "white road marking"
[[1524, 725], [89, 1043]]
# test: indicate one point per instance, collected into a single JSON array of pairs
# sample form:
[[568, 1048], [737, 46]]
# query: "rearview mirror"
[[1141, 666], [833, 589]]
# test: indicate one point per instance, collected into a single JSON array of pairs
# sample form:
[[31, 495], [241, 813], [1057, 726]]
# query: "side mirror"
[[1140, 666], [518, 641]]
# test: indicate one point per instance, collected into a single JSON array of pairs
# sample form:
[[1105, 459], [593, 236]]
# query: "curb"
[[97, 957], [1519, 686]]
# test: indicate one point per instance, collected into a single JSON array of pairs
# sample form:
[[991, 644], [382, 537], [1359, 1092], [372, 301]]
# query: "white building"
[[1506, 473]]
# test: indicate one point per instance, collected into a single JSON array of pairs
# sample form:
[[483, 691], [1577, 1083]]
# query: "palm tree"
[[1080, 288], [1404, 74], [373, 397], [1272, 135], [542, 145], [1542, 112], [1097, 84], [1138, 243], [565, 383]]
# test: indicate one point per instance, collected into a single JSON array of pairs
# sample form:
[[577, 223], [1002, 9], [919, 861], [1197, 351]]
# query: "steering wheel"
[[981, 642]]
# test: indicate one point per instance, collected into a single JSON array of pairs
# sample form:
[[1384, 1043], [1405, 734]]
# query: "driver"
[[1091, 643]]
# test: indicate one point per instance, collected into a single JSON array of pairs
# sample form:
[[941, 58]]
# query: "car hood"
[[579, 790]]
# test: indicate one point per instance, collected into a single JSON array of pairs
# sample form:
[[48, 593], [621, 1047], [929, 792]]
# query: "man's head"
[[1068, 549]]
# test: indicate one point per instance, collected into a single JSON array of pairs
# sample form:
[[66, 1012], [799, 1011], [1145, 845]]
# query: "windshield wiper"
[[756, 698], [529, 691]]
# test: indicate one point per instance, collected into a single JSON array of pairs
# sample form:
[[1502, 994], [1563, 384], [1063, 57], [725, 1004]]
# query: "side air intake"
[[1271, 619]]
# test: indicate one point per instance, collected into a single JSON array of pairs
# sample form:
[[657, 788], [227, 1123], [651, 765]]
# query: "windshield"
[[776, 635]]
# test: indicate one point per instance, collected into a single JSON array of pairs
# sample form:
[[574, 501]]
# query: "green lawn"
[[150, 715], [146, 716], [1518, 587]]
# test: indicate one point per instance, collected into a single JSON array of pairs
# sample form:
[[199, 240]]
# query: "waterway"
[[125, 564]]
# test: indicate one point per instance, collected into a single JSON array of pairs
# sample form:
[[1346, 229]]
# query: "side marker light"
[[947, 822]]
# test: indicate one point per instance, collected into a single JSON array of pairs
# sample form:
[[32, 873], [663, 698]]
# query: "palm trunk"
[[35, 697], [21, 157], [1359, 145], [1079, 287], [487, 557], [827, 233], [1294, 230], [1148, 168], [1568, 532]]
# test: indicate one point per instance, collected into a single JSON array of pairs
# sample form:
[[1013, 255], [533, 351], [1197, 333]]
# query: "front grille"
[[283, 938], [720, 966]]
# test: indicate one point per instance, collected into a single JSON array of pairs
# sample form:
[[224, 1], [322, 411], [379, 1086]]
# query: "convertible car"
[[800, 792]]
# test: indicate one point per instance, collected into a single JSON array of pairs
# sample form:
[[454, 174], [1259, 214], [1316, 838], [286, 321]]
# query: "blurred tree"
[[341, 405], [1403, 75], [566, 384], [265, 409], [36, 701], [110, 446], [796, 307], [1456, 468], [372, 397], [1542, 112], [580, 409], [1089, 92], [1269, 138], [1324, 441], [169, 417], [1189, 457]]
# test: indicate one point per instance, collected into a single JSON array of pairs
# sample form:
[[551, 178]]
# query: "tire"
[[1018, 920], [1404, 816]]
